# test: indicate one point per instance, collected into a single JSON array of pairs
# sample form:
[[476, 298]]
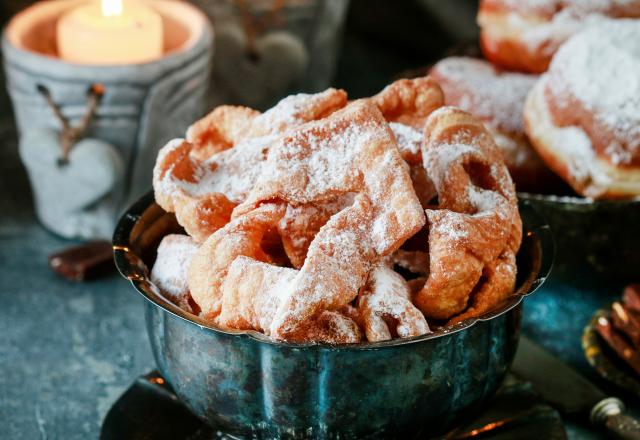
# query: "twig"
[[69, 135]]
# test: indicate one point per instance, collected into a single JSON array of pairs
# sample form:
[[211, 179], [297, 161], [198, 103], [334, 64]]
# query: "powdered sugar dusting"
[[451, 225], [495, 96], [169, 272], [232, 172], [547, 36], [388, 295], [571, 144], [600, 67], [295, 110], [576, 6], [325, 163], [438, 160], [409, 139]]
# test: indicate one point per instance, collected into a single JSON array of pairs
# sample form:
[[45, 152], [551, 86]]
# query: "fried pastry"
[[525, 34], [497, 98], [301, 215], [229, 125], [169, 272], [253, 291], [352, 151], [476, 229], [386, 308], [583, 116], [241, 237], [201, 187], [409, 101]]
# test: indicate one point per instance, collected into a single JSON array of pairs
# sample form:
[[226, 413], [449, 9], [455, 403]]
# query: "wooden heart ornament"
[[258, 79], [78, 199]]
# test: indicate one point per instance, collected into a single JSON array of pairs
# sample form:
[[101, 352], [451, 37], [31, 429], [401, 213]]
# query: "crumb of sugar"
[[484, 200], [325, 163], [438, 160], [389, 294]]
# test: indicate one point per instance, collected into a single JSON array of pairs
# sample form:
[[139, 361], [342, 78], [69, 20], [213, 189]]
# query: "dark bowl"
[[596, 241], [255, 387]]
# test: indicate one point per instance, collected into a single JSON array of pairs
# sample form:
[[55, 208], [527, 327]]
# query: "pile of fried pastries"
[[336, 221]]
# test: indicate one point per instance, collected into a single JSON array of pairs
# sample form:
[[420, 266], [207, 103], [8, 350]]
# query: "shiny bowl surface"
[[596, 241], [260, 388]]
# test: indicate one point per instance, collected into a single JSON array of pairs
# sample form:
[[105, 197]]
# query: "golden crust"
[[240, 237], [497, 98], [386, 308], [409, 101], [569, 152], [477, 219]]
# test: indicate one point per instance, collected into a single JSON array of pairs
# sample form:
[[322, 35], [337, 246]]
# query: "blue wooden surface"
[[67, 350], [555, 317]]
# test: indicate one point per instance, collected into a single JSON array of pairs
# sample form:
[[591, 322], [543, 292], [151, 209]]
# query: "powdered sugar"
[[576, 6], [601, 67], [547, 36], [485, 200], [452, 226], [290, 111], [544, 25], [386, 302], [571, 145], [409, 139], [169, 272], [438, 160], [232, 172], [476, 86], [315, 164]]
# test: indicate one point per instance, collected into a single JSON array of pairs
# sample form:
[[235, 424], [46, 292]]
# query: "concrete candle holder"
[[141, 107]]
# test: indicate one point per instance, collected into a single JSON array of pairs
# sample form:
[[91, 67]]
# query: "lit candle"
[[109, 32]]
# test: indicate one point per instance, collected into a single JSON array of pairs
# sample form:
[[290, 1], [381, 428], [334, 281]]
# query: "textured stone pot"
[[143, 106]]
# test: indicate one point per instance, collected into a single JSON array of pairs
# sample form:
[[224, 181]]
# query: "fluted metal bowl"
[[259, 388], [597, 241]]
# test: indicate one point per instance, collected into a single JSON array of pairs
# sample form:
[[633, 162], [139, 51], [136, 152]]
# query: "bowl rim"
[[574, 200], [130, 267]]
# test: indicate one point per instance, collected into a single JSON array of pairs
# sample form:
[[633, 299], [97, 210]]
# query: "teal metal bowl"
[[259, 388], [597, 241]]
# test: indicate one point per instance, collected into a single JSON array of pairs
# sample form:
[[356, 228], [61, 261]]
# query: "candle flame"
[[111, 8]]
